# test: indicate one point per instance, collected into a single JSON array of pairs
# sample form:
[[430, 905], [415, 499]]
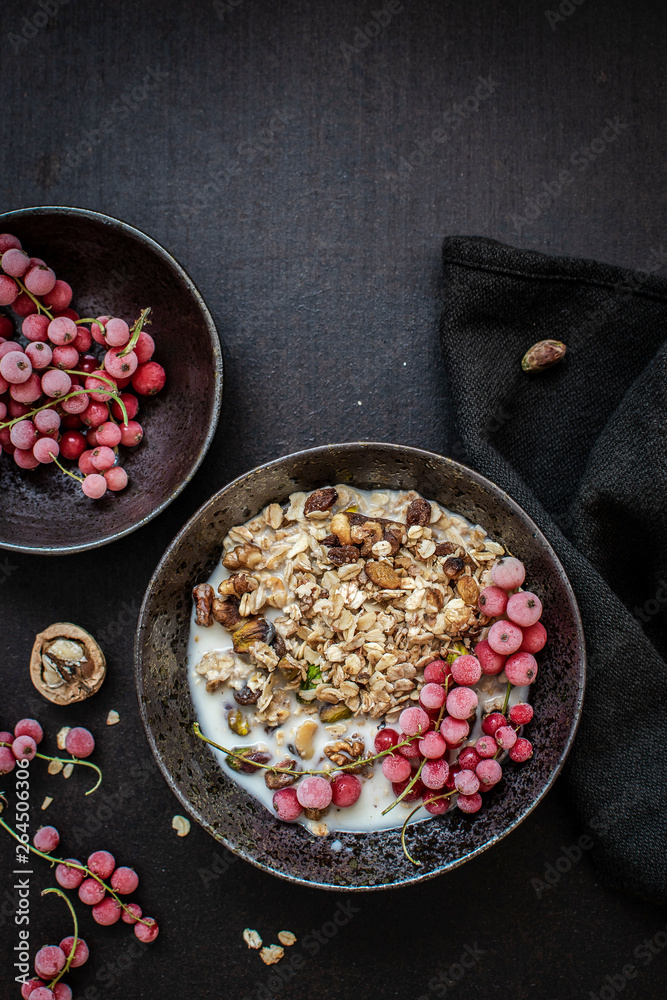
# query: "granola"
[[341, 597]]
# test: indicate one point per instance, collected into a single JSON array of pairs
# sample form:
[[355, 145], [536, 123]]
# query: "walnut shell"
[[66, 664]]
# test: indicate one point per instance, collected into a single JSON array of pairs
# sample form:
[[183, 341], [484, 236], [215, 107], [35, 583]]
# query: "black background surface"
[[297, 179]]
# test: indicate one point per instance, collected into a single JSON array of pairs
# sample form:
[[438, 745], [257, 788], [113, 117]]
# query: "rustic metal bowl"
[[227, 811], [116, 269]]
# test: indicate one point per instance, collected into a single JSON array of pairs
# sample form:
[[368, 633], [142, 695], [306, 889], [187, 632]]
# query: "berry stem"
[[58, 892], [79, 479], [41, 308], [70, 864], [88, 319], [72, 760], [135, 331], [436, 798], [299, 774], [503, 710], [79, 391], [441, 714], [408, 787], [75, 760]]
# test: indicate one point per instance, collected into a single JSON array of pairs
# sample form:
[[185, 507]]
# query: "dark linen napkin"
[[582, 448]]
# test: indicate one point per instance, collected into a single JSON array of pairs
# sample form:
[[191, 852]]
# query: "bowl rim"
[[159, 250], [422, 454]]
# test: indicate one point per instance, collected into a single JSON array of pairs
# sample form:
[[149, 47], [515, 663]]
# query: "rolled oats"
[[367, 596], [272, 954], [252, 938]]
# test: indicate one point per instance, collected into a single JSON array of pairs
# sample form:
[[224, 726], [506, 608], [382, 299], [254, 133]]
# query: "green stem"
[[71, 864], [67, 472], [407, 788], [444, 704], [78, 391], [40, 307], [75, 760], [72, 760], [136, 330], [98, 373], [89, 319], [436, 798], [507, 698], [58, 892], [299, 774]]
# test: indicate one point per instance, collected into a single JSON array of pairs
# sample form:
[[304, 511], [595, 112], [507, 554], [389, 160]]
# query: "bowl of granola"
[[360, 665]]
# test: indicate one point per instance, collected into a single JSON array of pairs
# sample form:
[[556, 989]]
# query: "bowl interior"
[[374, 860], [114, 269]]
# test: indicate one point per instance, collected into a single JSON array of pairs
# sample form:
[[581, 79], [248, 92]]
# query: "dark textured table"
[[303, 161]]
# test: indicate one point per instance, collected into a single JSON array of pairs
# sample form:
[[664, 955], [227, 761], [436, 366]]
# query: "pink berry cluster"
[[106, 908], [435, 730], [28, 734], [90, 881], [316, 792], [57, 397], [50, 961]]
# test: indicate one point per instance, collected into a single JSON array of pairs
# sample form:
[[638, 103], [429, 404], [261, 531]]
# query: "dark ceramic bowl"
[[116, 269], [227, 811]]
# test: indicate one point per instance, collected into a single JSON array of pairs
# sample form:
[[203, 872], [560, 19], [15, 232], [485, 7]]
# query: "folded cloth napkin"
[[581, 446]]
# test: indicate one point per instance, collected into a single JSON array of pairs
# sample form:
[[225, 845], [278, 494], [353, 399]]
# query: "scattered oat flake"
[[252, 938], [272, 954], [113, 718], [68, 769], [47, 802], [286, 938], [55, 767], [181, 825], [62, 736]]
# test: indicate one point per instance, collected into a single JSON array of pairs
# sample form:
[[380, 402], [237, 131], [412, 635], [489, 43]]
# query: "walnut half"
[[66, 664]]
